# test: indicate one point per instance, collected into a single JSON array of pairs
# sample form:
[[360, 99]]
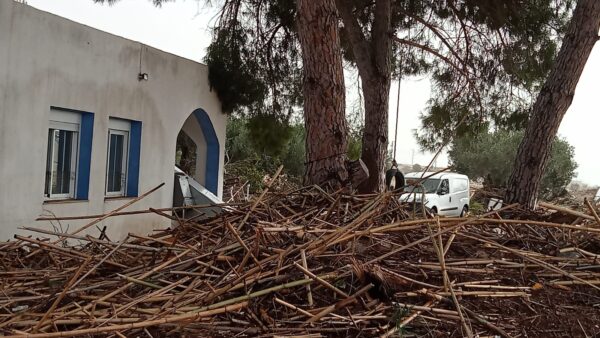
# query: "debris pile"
[[307, 263]]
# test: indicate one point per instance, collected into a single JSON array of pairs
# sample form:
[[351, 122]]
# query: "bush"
[[476, 208], [251, 171], [269, 134], [257, 145], [491, 156]]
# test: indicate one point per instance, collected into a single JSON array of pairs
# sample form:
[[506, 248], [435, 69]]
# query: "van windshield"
[[430, 185]]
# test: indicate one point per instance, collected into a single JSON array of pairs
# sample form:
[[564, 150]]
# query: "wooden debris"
[[308, 263]]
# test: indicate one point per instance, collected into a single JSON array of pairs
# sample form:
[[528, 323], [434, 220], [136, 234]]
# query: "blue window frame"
[[68, 158]]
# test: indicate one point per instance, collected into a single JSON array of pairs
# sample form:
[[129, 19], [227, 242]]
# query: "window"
[[430, 185], [69, 154], [444, 187], [62, 156], [117, 159]]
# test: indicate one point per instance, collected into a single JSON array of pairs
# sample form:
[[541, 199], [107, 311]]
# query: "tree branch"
[[437, 32], [431, 51], [465, 32], [358, 41], [381, 44], [448, 61]]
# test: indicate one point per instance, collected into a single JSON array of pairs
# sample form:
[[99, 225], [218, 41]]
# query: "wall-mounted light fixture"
[[143, 76]]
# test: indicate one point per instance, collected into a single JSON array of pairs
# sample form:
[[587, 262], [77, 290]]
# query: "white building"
[[89, 121]]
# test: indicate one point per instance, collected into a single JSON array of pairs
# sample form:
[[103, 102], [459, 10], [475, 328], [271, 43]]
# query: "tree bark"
[[373, 60], [376, 93], [324, 92], [552, 103]]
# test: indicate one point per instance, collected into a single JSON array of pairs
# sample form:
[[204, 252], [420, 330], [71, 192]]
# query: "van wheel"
[[465, 211]]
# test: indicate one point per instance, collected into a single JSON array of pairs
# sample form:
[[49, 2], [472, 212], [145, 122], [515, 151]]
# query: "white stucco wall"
[[45, 61]]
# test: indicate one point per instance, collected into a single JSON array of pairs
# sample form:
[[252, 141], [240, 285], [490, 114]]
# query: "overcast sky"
[[183, 28]]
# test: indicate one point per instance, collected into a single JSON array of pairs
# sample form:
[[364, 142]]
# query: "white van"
[[446, 194]]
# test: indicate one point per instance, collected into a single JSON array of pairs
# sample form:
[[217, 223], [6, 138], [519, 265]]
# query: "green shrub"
[[476, 208], [491, 156], [258, 145]]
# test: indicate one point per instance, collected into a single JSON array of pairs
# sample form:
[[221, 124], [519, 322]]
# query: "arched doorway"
[[185, 157], [198, 142]]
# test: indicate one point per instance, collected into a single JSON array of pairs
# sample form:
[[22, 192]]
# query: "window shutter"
[[85, 156], [133, 172]]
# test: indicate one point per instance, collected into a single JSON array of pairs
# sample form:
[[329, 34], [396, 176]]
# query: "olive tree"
[[491, 156]]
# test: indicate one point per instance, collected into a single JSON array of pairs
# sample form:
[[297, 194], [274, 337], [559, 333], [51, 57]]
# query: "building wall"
[[45, 61]]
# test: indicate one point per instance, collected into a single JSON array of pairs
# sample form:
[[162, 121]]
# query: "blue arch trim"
[[211, 178]]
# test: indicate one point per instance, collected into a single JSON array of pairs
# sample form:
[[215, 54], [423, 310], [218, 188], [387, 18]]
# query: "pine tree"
[[485, 59], [552, 103], [324, 93]]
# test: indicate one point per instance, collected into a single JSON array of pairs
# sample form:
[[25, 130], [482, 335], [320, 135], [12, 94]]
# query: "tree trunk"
[[376, 91], [373, 60], [552, 103], [324, 92]]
